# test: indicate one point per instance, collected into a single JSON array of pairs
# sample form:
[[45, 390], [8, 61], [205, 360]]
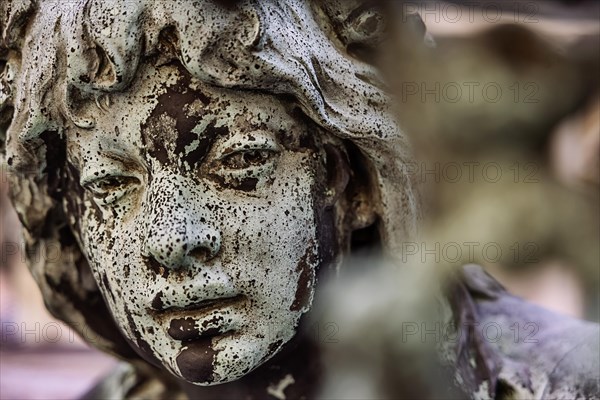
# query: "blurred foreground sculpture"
[[203, 167]]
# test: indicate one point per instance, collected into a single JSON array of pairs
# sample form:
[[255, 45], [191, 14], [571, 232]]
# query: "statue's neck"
[[294, 373]]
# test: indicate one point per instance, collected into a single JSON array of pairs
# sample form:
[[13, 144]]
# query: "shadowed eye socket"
[[109, 189]]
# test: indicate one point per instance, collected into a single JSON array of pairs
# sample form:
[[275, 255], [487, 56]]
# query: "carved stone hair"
[[57, 53]]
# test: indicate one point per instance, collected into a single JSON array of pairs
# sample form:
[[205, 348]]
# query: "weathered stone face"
[[200, 160], [197, 216]]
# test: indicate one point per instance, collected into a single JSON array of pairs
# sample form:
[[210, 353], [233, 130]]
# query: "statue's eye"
[[109, 189], [247, 158], [245, 162]]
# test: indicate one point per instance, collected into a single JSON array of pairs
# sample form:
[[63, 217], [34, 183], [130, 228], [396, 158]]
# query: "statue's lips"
[[197, 320]]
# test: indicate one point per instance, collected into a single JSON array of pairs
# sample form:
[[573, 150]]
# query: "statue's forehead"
[[169, 113], [171, 92]]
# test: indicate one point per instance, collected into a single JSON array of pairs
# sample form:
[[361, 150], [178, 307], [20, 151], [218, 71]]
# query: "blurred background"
[[503, 87], [503, 110]]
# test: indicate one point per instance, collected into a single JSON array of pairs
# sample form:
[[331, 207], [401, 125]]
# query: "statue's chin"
[[199, 375], [202, 363]]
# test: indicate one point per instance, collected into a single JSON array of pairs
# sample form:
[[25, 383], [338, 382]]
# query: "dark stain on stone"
[[211, 332], [304, 281], [247, 184], [196, 156], [195, 362], [214, 320], [184, 139], [183, 329], [158, 151], [175, 103], [156, 267], [157, 302]]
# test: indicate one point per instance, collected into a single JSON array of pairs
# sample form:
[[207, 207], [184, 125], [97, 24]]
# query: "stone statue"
[[201, 165]]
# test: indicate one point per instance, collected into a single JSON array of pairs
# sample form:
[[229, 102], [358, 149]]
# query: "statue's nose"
[[178, 234]]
